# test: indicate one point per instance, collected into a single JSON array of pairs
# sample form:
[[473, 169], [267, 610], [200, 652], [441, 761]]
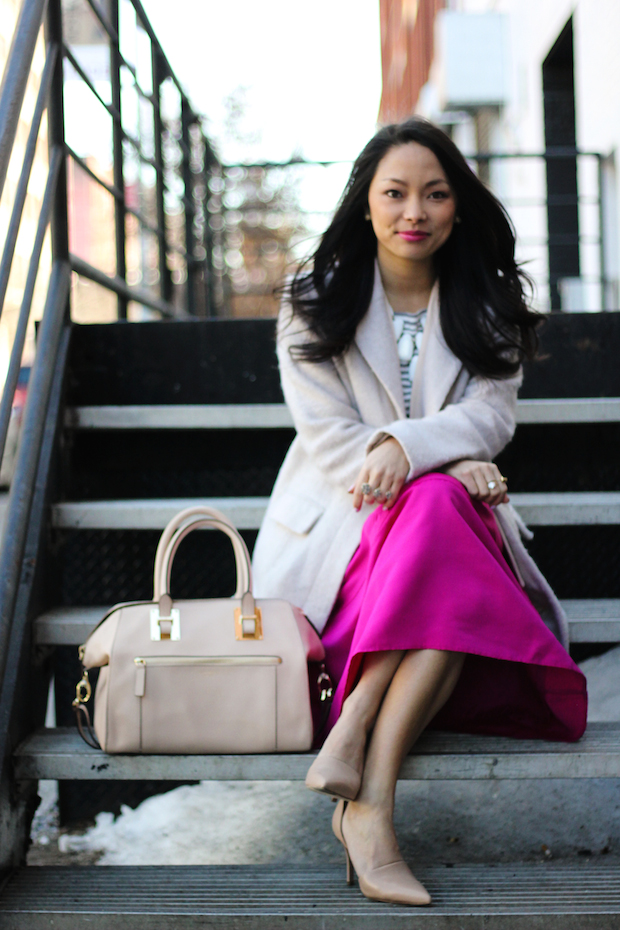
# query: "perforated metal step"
[[270, 416], [62, 754], [550, 895], [572, 509], [245, 512], [590, 621]]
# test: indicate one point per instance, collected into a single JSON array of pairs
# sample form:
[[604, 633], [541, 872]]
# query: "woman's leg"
[[347, 739], [422, 683]]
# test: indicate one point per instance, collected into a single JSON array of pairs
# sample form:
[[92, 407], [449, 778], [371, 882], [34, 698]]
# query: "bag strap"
[[84, 726], [83, 693], [178, 528], [183, 516]]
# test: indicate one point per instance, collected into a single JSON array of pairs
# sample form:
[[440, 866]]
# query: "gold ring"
[[503, 478]]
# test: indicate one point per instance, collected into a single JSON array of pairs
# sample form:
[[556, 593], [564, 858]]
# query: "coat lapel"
[[437, 368], [376, 341]]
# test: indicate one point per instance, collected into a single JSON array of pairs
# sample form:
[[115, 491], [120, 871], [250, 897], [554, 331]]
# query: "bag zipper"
[[141, 663]]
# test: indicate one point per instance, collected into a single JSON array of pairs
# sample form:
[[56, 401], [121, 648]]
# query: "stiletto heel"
[[337, 828], [349, 867], [393, 883]]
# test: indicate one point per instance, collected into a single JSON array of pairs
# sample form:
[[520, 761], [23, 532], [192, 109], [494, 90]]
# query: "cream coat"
[[341, 410]]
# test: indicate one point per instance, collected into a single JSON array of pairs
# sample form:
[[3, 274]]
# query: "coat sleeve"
[[328, 424], [477, 426]]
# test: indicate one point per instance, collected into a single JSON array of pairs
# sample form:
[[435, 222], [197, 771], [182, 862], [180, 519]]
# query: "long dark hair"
[[483, 312]]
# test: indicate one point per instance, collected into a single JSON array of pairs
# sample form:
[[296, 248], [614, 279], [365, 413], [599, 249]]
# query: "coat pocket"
[[295, 512]]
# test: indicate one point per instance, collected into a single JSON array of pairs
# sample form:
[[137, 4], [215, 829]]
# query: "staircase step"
[[181, 416], [62, 754], [515, 896], [595, 620], [569, 410], [568, 509], [590, 621], [245, 512], [67, 626], [548, 509], [277, 416]]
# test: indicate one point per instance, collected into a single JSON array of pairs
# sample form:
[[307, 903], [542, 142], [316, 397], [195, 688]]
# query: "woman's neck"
[[407, 284]]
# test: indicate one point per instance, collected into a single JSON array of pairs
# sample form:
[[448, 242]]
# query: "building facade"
[[514, 79]]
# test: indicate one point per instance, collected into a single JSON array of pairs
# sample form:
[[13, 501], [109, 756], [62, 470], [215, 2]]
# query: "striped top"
[[408, 329]]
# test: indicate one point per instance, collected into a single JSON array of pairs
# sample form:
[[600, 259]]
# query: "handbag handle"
[[175, 532], [183, 516]]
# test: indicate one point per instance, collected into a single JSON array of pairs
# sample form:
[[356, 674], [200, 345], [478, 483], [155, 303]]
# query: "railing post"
[[601, 232], [159, 76], [188, 186], [117, 157], [209, 271], [22, 486], [59, 222], [15, 78]]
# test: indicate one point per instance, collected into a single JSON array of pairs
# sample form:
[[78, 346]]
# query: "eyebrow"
[[428, 183]]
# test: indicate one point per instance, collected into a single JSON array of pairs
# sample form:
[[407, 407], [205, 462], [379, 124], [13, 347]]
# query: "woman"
[[400, 350]]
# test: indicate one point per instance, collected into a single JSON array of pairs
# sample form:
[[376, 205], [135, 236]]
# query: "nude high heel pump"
[[332, 776], [337, 828], [392, 884]]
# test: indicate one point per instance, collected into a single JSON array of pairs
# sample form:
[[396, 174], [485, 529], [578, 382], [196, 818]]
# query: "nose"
[[414, 210]]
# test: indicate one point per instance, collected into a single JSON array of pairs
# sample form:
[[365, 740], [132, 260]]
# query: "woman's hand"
[[384, 471], [477, 476]]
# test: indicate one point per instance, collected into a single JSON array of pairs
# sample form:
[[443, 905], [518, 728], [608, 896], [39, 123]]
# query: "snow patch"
[[212, 823]]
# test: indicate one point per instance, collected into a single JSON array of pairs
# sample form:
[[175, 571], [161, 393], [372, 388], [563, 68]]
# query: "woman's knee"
[[436, 488]]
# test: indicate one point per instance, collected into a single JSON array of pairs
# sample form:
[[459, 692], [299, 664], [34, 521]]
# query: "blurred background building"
[[528, 90], [511, 81]]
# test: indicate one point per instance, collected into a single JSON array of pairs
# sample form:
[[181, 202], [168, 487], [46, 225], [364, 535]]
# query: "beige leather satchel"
[[224, 675]]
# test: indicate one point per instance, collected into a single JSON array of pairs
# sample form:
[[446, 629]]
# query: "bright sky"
[[312, 70]]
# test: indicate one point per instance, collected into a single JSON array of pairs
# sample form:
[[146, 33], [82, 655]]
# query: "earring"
[[457, 219], [366, 215]]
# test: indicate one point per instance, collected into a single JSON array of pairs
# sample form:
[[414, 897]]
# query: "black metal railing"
[[560, 236], [157, 169], [158, 178], [266, 219]]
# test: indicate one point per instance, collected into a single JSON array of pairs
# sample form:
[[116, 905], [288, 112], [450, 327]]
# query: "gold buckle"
[[175, 625], [240, 631], [326, 687], [83, 690]]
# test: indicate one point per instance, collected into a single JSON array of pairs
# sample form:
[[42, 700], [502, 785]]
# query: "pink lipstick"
[[413, 235]]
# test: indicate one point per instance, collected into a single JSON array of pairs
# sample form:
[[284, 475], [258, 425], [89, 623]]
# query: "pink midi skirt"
[[431, 574]]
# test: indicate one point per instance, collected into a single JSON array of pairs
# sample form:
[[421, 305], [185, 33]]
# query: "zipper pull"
[[140, 677]]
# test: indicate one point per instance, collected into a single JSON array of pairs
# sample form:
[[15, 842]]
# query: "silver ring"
[[491, 485], [377, 492], [388, 495], [366, 489]]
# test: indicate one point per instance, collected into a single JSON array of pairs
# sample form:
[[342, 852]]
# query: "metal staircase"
[[125, 425]]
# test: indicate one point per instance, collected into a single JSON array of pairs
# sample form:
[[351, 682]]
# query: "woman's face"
[[412, 206]]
